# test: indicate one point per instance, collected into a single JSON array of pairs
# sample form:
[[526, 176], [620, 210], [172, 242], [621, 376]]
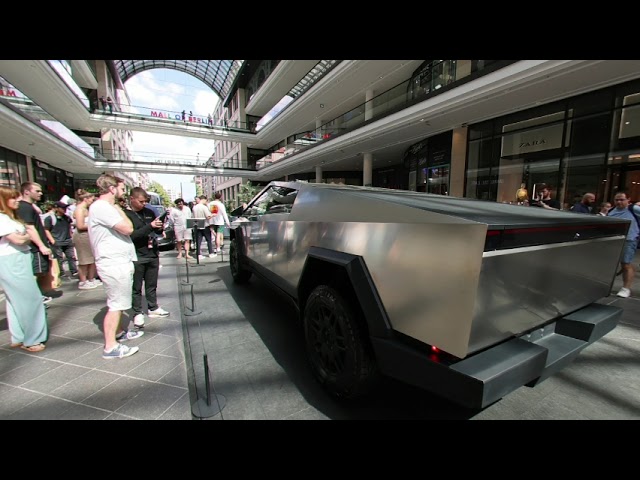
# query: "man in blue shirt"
[[621, 210]]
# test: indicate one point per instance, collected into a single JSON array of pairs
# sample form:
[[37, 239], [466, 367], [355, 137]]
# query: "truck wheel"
[[338, 351], [239, 274]]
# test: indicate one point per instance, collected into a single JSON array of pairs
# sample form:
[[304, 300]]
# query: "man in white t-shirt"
[[201, 210], [218, 220], [178, 217], [109, 230]]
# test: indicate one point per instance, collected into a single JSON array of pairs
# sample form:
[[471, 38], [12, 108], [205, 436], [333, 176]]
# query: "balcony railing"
[[436, 78]]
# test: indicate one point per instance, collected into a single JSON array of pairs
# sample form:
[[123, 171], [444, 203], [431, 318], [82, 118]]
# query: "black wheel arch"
[[350, 275]]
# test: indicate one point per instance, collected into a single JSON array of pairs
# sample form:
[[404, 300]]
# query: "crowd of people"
[[622, 207], [101, 243]]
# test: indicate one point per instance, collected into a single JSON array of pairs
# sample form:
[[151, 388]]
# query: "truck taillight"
[[435, 349]]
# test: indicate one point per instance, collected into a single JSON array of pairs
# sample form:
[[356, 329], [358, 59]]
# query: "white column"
[[368, 107], [367, 169], [318, 174], [318, 129]]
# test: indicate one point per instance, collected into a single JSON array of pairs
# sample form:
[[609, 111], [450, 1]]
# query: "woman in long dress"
[[25, 311], [86, 261]]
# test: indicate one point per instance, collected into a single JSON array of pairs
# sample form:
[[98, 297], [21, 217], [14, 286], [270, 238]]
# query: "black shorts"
[[40, 263]]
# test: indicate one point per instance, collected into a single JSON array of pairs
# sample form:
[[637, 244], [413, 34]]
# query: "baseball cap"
[[60, 204]]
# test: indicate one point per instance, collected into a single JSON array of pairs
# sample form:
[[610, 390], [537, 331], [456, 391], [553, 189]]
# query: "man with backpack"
[[631, 212]]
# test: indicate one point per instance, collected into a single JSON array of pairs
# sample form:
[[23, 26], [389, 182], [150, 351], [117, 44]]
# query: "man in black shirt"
[[544, 199], [59, 224], [32, 193], [145, 228]]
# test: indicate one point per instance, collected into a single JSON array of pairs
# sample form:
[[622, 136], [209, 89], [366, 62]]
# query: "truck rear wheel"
[[239, 274], [338, 350]]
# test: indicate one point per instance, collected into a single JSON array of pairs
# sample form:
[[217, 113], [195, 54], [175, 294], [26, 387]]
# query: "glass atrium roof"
[[217, 74]]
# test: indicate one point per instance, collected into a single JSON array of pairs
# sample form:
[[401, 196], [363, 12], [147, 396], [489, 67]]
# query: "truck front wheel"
[[239, 274], [338, 350]]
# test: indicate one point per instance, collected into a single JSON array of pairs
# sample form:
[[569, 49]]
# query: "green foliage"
[[247, 192], [159, 189]]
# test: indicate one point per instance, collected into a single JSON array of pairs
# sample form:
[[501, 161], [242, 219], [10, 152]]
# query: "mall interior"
[[468, 128]]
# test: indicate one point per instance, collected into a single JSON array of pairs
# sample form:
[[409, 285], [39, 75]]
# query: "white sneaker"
[[212, 255], [158, 312], [86, 285], [138, 321], [624, 293], [96, 282]]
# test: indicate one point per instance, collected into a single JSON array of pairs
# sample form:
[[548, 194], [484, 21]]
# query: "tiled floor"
[[71, 380], [255, 357]]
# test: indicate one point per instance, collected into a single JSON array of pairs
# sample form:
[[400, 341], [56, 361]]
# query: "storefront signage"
[[6, 92], [535, 140], [178, 116]]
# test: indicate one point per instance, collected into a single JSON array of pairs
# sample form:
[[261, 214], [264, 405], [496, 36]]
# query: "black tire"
[[239, 274], [339, 353]]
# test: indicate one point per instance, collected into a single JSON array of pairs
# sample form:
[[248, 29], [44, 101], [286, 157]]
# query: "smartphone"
[[163, 216]]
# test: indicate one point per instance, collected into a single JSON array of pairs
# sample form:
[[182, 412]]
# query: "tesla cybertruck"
[[465, 298]]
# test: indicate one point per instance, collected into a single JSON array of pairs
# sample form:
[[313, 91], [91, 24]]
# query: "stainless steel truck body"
[[466, 298]]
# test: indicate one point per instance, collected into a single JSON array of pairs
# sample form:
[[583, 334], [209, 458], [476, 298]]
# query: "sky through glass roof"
[[217, 74]]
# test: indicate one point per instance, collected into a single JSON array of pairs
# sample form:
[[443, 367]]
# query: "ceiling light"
[[322, 105]]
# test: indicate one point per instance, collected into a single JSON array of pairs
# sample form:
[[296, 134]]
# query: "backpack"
[[630, 207], [51, 215]]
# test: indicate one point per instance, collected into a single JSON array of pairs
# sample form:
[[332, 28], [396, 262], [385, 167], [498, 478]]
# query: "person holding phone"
[[145, 228]]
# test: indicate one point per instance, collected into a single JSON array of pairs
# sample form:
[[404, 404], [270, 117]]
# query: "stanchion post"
[[212, 404]]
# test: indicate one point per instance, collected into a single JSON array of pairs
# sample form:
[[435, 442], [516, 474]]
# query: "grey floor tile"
[[121, 366], [45, 408], [83, 412], [157, 343], [117, 416], [89, 333], [56, 378], [180, 410], [308, 413], [242, 403], [29, 371], [151, 402], [274, 390], [176, 377], [68, 325], [176, 350], [82, 387], [4, 388], [551, 410], [65, 349], [16, 360], [15, 400], [156, 368], [118, 394], [239, 354]]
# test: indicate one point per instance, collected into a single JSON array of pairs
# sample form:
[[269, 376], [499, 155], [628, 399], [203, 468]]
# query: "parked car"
[[468, 299]]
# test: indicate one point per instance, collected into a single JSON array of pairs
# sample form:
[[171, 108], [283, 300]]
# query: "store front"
[[429, 164], [589, 143], [55, 182], [13, 168]]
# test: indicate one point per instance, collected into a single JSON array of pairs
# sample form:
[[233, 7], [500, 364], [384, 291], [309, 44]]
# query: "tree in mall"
[[159, 189], [247, 192]]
